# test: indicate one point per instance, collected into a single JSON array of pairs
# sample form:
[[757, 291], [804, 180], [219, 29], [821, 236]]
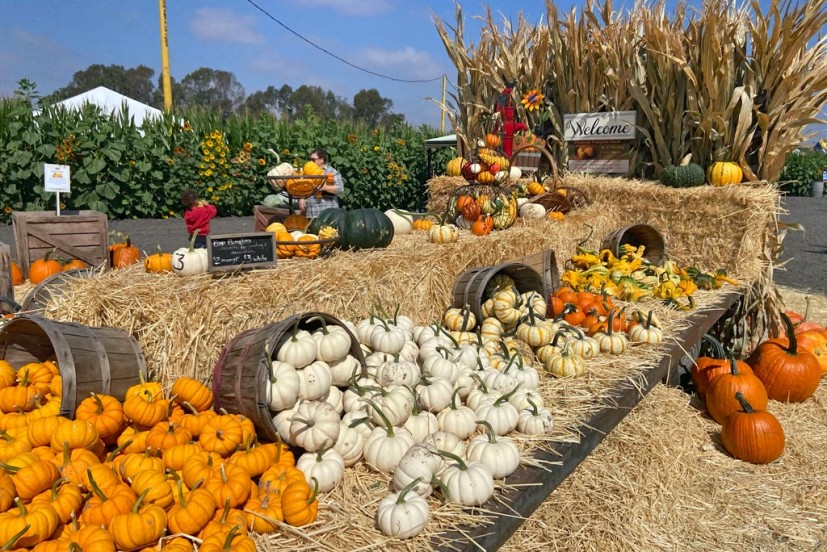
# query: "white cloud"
[[407, 63], [352, 7], [216, 25]]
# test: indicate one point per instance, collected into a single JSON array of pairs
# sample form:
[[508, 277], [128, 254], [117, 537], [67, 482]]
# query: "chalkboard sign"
[[234, 251]]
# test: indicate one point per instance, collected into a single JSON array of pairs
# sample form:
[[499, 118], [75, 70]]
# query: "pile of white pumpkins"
[[433, 408]]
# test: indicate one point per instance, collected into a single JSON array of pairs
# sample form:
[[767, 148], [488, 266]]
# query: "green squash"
[[367, 228], [358, 229]]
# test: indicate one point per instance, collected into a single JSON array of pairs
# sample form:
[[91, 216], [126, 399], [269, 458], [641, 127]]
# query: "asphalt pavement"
[[805, 253]]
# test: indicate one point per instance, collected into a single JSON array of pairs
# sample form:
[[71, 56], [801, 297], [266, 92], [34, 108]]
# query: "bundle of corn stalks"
[[725, 84]]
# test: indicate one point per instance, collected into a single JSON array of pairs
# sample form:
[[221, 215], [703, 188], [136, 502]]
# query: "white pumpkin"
[[468, 483], [283, 391], [421, 424], [501, 456], [332, 342], [326, 466], [342, 370], [500, 414], [281, 422], [532, 211], [457, 419], [350, 444], [299, 350], [335, 398], [419, 462], [314, 380], [402, 221], [385, 447], [515, 173], [435, 393], [402, 515], [187, 261], [446, 441], [535, 421], [314, 425]]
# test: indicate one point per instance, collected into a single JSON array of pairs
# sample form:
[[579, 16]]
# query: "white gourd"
[[284, 386], [468, 483], [314, 380], [314, 425], [419, 462], [349, 444], [421, 425], [326, 466], [500, 455], [342, 370], [402, 515]]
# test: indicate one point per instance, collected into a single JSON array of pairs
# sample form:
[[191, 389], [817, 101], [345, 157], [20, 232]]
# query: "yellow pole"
[[442, 118], [167, 81]]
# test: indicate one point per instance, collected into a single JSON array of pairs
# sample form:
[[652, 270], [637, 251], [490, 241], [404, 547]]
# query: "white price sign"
[[56, 178]]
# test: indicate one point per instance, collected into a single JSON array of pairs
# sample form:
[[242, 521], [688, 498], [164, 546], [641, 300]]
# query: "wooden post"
[[6, 285]]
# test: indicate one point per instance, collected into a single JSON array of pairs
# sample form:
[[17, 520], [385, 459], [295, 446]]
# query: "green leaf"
[[95, 166]]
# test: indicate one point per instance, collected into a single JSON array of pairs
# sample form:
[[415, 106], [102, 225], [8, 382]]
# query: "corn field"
[[728, 83]]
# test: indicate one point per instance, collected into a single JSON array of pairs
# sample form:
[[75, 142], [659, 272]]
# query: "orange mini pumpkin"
[[43, 268], [17, 276]]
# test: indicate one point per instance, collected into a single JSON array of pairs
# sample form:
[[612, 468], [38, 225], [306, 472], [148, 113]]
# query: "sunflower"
[[532, 100]]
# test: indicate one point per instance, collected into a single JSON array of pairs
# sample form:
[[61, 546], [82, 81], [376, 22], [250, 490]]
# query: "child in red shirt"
[[197, 216]]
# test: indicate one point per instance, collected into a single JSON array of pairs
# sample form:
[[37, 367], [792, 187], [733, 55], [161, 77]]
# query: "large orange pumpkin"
[[815, 342], [789, 373], [720, 398]]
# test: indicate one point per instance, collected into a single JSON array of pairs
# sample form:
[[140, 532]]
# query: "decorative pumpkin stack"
[[483, 205], [737, 399]]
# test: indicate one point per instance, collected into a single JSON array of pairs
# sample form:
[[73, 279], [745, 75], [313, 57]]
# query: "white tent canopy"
[[112, 103]]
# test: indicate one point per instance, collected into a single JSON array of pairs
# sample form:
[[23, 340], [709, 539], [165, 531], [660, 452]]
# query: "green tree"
[[213, 88], [135, 83], [262, 101], [370, 107]]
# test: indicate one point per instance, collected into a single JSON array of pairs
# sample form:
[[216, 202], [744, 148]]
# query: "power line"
[[331, 54]]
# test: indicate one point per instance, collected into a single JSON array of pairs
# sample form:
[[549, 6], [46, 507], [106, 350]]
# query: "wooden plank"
[[67, 245], [534, 485]]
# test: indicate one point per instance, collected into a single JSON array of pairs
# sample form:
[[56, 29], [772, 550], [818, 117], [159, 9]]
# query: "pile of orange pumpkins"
[[737, 393], [124, 475]]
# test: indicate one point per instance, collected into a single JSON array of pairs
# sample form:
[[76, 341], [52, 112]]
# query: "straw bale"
[[705, 226]]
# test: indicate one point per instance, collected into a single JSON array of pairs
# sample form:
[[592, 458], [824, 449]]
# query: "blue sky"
[[47, 41]]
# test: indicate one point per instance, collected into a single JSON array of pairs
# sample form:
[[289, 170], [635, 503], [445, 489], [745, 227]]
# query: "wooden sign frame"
[[243, 261]]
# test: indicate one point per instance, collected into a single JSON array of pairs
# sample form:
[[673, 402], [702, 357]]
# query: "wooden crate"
[[81, 236], [263, 216]]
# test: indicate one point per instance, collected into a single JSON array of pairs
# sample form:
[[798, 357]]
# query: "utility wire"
[[331, 54]]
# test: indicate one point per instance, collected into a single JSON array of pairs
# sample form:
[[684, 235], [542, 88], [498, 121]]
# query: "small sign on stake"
[[56, 178]]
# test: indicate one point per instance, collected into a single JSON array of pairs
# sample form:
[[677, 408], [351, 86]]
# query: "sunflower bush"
[[127, 172]]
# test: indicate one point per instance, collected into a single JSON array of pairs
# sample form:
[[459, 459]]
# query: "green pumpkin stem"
[[385, 420], [445, 454], [16, 537], [492, 437], [534, 409], [137, 505], [792, 349], [408, 488], [504, 398], [744, 404]]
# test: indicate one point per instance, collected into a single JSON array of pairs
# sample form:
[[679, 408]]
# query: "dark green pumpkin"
[[367, 228], [334, 217], [358, 229]]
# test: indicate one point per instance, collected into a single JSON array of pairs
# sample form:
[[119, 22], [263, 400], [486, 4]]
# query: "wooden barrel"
[[545, 263], [91, 359], [469, 287], [242, 371], [637, 235], [39, 296]]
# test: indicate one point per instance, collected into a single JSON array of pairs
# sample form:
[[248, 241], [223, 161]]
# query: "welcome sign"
[[599, 142]]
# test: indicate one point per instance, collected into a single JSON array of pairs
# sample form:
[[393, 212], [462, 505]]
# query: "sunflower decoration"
[[532, 100]]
